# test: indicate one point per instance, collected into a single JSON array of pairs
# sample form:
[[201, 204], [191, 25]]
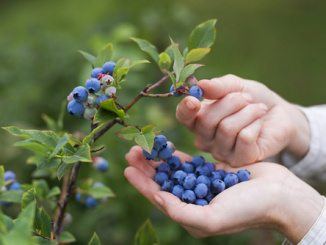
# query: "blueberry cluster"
[[101, 164], [84, 101], [10, 185], [194, 91], [87, 200], [196, 181]]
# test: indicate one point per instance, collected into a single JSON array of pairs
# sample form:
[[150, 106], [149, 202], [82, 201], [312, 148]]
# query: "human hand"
[[273, 198], [242, 121]]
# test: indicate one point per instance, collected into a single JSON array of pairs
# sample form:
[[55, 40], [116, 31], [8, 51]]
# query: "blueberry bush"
[[57, 155]]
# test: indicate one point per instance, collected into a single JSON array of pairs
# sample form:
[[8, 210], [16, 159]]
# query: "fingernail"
[[158, 200], [191, 105]]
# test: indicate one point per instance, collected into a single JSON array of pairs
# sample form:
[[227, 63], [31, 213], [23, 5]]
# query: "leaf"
[[197, 54], [67, 237], [53, 192], [203, 36], [50, 122], [95, 240], [42, 223], [89, 57], [111, 106], [2, 178], [178, 63], [6, 223], [128, 133], [146, 235], [32, 145], [147, 47], [186, 72], [62, 170], [41, 188], [102, 116], [28, 197], [99, 192], [165, 61], [88, 138], [138, 62], [120, 73], [105, 55], [83, 154], [146, 138], [11, 196], [61, 143]]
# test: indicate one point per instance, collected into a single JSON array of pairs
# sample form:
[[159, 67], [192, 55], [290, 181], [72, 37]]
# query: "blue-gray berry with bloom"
[[80, 94], [108, 67], [96, 71], [196, 92], [93, 85], [75, 108]]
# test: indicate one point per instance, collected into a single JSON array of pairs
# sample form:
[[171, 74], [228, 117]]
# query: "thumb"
[[187, 111]]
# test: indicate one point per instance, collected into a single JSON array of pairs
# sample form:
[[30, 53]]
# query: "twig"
[[157, 95]]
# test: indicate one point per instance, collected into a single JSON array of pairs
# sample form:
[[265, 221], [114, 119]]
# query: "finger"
[[210, 115], [229, 127], [246, 148], [183, 213], [136, 159], [187, 110], [217, 88]]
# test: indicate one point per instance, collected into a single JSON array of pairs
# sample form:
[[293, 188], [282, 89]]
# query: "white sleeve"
[[313, 165]]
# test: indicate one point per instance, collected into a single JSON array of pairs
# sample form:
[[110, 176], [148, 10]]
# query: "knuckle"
[[226, 128], [231, 77], [246, 137]]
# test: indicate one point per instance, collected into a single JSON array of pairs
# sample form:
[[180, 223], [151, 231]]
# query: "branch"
[[157, 95]]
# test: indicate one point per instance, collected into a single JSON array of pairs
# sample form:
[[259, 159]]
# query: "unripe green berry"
[[89, 113], [164, 61]]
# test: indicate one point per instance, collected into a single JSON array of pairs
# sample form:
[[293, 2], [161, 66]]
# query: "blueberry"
[[163, 167], [101, 98], [150, 156], [187, 167], [209, 197], [221, 172], [160, 142], [196, 91], [75, 108], [179, 176], [165, 153], [108, 67], [230, 180], [216, 175], [175, 91], [217, 186], [177, 190], [201, 202], [93, 85], [15, 186], [198, 161], [201, 190], [160, 177], [9, 175], [80, 94], [188, 196], [95, 72], [101, 164], [79, 197], [211, 166], [203, 179], [90, 202], [203, 170], [243, 175], [189, 182], [110, 91], [167, 185], [174, 162]]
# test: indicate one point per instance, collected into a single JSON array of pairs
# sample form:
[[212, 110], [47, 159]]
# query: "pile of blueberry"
[[196, 181], [84, 101], [194, 91], [10, 185]]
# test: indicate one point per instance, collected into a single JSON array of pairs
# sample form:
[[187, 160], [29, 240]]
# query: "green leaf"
[[88, 138], [61, 143], [99, 192], [110, 106], [145, 138], [28, 197], [138, 62], [128, 133], [53, 192], [67, 237], [120, 73], [102, 116], [42, 223], [164, 61], [146, 235], [95, 240], [11, 196], [62, 170], [178, 61], [105, 55], [147, 47], [197, 54], [89, 57], [34, 146], [2, 178], [186, 72], [203, 36], [6, 223], [41, 188], [83, 154], [50, 122]]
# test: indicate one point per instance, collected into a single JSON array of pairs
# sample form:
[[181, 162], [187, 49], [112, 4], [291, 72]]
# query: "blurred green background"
[[281, 43]]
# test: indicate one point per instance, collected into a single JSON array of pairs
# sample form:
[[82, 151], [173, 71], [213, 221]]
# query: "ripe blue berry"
[[217, 186], [80, 94], [189, 182], [198, 161], [163, 167], [79, 197], [188, 196], [174, 162], [187, 167], [9, 175], [176, 92], [196, 91], [160, 177], [93, 85], [101, 98], [165, 153], [179, 176], [211, 166], [201, 190], [14, 186], [203, 170], [167, 185], [90, 202], [108, 67], [96, 71], [243, 175], [216, 175], [101, 164], [177, 190], [160, 142], [150, 156], [230, 180], [209, 197], [75, 108], [221, 172], [203, 179], [201, 202]]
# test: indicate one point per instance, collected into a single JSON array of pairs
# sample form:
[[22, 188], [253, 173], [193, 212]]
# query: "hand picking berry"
[[196, 92]]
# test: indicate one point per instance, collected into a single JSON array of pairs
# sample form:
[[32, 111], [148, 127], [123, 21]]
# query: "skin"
[[267, 200], [242, 121]]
